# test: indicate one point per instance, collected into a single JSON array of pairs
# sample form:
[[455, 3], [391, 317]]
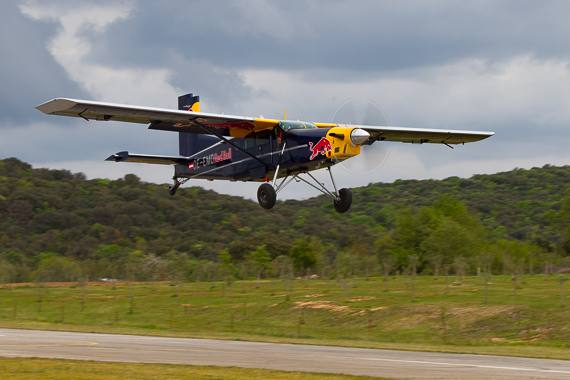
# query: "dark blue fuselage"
[[222, 161]]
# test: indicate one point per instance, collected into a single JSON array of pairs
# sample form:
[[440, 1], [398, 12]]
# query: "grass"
[[34, 368], [531, 323]]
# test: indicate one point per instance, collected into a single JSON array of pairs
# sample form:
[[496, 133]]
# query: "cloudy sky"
[[499, 66]]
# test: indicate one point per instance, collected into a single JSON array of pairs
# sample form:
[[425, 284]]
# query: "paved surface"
[[355, 361]]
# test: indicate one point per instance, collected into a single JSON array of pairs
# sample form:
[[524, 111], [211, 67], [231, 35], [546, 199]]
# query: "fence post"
[[443, 325], [369, 324]]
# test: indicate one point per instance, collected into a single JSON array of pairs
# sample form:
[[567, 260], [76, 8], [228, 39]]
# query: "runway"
[[288, 357]]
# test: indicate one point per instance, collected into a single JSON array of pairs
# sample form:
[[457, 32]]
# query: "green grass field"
[[34, 368], [531, 323]]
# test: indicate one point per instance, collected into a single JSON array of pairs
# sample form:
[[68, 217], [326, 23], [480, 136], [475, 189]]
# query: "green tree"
[[261, 260], [303, 255], [227, 268], [56, 269]]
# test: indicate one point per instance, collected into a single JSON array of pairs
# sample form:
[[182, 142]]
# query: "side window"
[[248, 142], [262, 138]]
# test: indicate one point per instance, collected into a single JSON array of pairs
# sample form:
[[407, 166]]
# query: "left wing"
[[417, 135], [158, 118]]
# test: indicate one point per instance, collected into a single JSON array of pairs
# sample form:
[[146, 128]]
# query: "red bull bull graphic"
[[322, 147]]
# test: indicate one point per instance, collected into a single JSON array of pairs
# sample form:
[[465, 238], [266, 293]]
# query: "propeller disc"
[[360, 112]]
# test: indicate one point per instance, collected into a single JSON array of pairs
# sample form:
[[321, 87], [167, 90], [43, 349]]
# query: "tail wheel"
[[172, 189], [266, 196], [343, 204]]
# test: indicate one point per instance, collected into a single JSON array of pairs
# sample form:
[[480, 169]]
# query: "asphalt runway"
[[288, 357]]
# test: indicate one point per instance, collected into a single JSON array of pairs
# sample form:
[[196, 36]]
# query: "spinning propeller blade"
[[359, 112]]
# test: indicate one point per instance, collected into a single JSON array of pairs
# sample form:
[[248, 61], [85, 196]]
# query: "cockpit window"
[[287, 125]]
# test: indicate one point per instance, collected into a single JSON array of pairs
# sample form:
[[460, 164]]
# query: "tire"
[[266, 196], [345, 201], [172, 189]]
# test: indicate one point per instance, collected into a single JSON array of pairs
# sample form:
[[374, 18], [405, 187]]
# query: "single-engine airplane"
[[237, 148]]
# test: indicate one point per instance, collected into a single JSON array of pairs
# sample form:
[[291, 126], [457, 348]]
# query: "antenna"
[[285, 114]]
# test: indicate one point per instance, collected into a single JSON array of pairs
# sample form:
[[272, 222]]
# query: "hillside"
[[55, 211]]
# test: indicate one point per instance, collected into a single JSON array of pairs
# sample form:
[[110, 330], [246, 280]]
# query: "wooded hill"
[[55, 212]]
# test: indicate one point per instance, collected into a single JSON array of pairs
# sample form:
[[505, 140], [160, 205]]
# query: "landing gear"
[[172, 188], [177, 182], [266, 196], [342, 198], [342, 204]]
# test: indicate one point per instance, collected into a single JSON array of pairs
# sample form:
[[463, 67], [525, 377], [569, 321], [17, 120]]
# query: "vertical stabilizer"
[[189, 102], [190, 143]]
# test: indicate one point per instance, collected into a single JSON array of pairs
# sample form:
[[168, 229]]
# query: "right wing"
[[158, 118]]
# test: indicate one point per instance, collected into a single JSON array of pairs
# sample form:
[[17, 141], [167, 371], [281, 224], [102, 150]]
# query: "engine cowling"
[[346, 142]]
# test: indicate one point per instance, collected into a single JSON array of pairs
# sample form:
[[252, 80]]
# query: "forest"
[[59, 226]]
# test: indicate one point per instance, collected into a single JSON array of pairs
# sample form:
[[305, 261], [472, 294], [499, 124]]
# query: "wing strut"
[[231, 143], [278, 164]]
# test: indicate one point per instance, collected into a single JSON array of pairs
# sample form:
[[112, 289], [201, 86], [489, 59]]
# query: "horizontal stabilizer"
[[148, 159]]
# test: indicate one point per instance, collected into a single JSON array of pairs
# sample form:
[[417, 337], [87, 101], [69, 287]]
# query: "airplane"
[[237, 148]]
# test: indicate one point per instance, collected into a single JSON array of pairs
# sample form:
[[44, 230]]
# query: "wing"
[[158, 118], [148, 159], [417, 135]]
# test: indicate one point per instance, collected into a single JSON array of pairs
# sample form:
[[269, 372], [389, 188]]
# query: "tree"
[[56, 269], [450, 239], [227, 269], [387, 266], [435, 260], [303, 255], [414, 260], [7, 270], [261, 260], [176, 264], [286, 271]]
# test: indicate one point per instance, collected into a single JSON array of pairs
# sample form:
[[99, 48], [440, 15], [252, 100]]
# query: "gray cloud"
[[353, 36], [28, 74]]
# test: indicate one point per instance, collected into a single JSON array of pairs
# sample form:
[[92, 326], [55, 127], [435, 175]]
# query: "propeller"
[[360, 112]]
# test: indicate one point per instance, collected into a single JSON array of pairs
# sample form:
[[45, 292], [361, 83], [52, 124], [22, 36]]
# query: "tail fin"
[[190, 143], [189, 102]]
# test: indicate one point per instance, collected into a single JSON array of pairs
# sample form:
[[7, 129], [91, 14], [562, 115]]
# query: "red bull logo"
[[322, 147]]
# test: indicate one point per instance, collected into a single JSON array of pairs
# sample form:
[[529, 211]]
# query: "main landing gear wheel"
[[342, 205], [266, 196]]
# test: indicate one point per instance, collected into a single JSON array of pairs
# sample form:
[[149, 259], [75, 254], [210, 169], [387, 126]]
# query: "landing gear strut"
[[267, 193]]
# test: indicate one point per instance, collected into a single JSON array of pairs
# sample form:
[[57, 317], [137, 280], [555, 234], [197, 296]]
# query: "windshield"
[[287, 125]]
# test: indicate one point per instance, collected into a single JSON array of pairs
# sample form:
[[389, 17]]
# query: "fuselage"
[[301, 146]]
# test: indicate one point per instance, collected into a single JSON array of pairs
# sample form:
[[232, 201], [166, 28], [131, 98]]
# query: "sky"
[[500, 66]]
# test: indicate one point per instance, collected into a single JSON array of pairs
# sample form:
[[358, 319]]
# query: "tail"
[[190, 143], [189, 102]]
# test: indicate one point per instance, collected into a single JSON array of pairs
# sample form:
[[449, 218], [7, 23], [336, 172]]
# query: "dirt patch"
[[326, 305], [469, 314], [314, 295], [365, 298], [68, 284]]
